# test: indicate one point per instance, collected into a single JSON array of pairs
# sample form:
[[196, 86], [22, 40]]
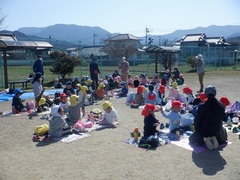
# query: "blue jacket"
[[38, 67]]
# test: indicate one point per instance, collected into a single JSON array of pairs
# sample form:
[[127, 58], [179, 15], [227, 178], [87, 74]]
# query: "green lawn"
[[22, 72]]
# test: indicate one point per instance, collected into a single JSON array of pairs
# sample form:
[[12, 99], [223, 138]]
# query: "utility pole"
[[146, 31], [94, 36]]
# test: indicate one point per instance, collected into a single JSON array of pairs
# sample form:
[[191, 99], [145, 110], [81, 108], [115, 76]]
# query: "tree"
[[119, 46], [191, 60], [2, 19], [64, 64], [168, 60]]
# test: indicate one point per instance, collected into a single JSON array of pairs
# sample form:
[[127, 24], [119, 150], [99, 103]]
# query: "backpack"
[[41, 129], [150, 142], [96, 112]]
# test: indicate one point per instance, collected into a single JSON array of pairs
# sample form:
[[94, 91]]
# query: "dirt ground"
[[104, 155]]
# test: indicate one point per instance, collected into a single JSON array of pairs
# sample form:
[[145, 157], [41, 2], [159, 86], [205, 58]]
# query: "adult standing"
[[124, 68], [94, 72], [200, 71], [38, 66], [208, 122]]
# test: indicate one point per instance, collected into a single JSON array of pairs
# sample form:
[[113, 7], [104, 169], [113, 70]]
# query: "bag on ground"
[[41, 129]]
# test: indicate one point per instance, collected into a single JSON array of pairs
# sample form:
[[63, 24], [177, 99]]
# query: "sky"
[[122, 16]]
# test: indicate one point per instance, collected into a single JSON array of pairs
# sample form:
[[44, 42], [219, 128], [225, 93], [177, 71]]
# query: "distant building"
[[215, 50], [200, 39]]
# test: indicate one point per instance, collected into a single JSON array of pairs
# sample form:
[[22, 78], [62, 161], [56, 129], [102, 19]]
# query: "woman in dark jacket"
[[208, 121]]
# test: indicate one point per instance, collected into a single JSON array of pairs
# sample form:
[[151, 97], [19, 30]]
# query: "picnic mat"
[[71, 137], [26, 95], [98, 127], [167, 137]]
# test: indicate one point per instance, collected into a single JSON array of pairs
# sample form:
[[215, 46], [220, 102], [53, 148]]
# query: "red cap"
[[140, 89], [148, 107], [202, 97], [185, 89], [63, 95], [225, 100], [176, 104]]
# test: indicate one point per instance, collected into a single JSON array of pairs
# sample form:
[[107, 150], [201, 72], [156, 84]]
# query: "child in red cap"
[[174, 117], [139, 98], [150, 121]]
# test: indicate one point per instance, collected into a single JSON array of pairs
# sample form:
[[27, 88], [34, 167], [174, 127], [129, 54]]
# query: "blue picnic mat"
[[27, 95]]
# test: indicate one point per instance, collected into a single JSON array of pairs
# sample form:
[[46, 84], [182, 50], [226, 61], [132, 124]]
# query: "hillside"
[[88, 35]]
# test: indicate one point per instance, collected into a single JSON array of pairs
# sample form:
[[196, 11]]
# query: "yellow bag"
[[41, 129]]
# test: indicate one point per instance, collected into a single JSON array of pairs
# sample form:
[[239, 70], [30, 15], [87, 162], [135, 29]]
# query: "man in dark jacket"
[[208, 121], [94, 71], [38, 66]]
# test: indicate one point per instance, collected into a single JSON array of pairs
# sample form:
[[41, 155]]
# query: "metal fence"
[[214, 57]]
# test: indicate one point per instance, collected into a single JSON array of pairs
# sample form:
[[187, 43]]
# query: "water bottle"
[[135, 134]]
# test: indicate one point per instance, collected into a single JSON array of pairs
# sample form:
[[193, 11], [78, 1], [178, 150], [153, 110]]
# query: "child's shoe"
[[46, 138], [36, 138], [161, 126], [208, 143]]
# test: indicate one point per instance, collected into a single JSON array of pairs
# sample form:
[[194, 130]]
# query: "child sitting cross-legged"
[[17, 102], [150, 121], [110, 116], [174, 118]]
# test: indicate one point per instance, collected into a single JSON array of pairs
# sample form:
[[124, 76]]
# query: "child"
[[173, 91], [174, 118], [150, 122], [64, 103], [78, 88], [75, 81], [161, 95], [124, 89], [115, 83], [110, 116], [139, 98], [167, 74], [201, 99], [100, 92], [151, 96], [136, 82], [57, 124], [74, 110], [90, 91], [110, 85], [37, 89], [17, 102], [68, 90], [175, 74], [130, 80], [144, 80], [155, 79], [189, 99]]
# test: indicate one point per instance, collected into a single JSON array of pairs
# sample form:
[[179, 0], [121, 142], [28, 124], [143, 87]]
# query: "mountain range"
[[87, 35]]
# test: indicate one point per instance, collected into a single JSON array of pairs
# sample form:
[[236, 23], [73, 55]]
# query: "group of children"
[[67, 112]]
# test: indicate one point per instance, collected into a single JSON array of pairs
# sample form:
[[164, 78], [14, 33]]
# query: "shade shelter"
[[9, 42], [160, 50]]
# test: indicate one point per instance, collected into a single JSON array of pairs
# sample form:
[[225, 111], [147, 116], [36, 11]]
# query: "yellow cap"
[[73, 100], [174, 85], [106, 105], [101, 85], [88, 82], [42, 101], [84, 89]]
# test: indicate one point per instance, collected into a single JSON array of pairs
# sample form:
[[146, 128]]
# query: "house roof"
[[9, 42], [123, 37], [193, 37], [95, 50], [156, 49], [215, 40]]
